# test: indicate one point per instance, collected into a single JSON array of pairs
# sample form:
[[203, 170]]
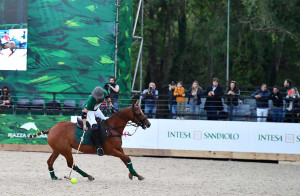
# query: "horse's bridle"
[[141, 122]]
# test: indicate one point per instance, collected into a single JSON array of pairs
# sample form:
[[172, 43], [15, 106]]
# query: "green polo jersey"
[[91, 104]]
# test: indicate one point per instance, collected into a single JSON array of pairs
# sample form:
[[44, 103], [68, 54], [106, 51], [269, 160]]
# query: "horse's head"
[[138, 116]]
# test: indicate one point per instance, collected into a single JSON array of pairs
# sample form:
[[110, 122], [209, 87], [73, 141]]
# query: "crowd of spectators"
[[284, 107], [216, 102]]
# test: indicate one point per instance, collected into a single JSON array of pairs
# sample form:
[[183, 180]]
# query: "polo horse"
[[61, 138], [9, 45]]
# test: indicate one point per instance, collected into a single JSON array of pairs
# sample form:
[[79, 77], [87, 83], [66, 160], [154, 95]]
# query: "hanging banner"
[[13, 35]]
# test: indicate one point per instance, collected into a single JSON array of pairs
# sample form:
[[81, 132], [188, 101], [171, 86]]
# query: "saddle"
[[97, 137], [80, 123]]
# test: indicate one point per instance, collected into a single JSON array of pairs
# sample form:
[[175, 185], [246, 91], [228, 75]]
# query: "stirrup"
[[100, 151]]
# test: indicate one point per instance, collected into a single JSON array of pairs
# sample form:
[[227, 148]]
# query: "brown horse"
[[10, 45], [61, 138]]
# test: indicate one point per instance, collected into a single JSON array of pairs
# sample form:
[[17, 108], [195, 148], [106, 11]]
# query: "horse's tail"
[[38, 134]]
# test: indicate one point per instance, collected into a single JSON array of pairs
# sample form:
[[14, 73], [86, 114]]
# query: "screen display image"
[[13, 35]]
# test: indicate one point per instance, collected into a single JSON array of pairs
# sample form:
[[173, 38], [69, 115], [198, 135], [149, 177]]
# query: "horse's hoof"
[[141, 178], [91, 178], [130, 175]]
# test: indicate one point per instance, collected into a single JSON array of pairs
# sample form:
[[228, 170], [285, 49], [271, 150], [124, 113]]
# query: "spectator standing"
[[194, 99], [262, 102], [288, 84], [180, 99], [6, 36], [150, 96], [5, 100], [213, 102], [297, 111], [233, 94], [277, 109], [114, 92], [292, 105], [172, 99]]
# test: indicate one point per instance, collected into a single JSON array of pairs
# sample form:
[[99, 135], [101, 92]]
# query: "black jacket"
[[214, 101], [262, 102], [172, 98], [235, 98], [199, 94], [277, 99]]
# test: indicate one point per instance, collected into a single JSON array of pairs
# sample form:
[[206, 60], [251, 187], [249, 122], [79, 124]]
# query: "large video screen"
[[13, 35]]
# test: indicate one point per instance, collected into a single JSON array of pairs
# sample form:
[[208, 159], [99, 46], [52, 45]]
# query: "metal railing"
[[54, 104]]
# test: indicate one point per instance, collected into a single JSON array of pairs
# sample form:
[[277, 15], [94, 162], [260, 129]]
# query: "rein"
[[129, 123]]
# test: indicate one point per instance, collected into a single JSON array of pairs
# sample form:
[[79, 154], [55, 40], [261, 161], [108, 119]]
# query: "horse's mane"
[[117, 113]]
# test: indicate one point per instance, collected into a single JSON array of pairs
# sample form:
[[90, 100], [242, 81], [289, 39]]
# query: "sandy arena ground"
[[25, 173]]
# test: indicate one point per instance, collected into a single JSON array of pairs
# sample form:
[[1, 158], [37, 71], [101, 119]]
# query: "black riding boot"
[[96, 137]]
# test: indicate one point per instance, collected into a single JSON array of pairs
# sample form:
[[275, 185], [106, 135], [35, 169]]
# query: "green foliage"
[[186, 40]]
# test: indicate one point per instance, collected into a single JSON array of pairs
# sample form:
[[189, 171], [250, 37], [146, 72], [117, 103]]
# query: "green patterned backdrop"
[[71, 46], [70, 49]]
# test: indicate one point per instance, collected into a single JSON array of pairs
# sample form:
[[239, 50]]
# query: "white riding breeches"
[[91, 115]]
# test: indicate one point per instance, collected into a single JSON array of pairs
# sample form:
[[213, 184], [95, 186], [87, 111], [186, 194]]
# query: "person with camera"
[[113, 88], [150, 96], [93, 115]]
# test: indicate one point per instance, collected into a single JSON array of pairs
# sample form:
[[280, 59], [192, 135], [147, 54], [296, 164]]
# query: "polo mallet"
[[69, 178]]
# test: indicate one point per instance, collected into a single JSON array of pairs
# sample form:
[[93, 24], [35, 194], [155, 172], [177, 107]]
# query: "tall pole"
[[227, 63], [142, 35], [116, 39]]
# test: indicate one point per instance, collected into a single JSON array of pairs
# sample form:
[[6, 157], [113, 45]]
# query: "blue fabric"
[[116, 104], [277, 114], [234, 110], [194, 109], [149, 100], [262, 102], [174, 110], [150, 111]]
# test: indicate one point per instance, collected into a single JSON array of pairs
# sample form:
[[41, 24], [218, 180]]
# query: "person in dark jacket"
[[262, 102], [232, 101], [213, 102], [114, 92], [292, 105], [297, 112], [172, 99], [277, 110], [194, 99], [288, 85], [5, 100]]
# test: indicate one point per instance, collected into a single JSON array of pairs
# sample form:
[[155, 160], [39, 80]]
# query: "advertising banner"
[[147, 138], [14, 129], [173, 134], [71, 45], [13, 35], [218, 136]]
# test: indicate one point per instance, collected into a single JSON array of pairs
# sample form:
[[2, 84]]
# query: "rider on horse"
[[91, 112]]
